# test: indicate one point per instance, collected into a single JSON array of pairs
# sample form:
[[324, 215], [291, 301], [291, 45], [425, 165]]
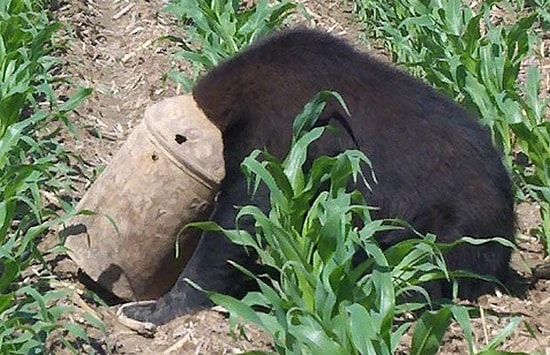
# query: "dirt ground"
[[116, 51]]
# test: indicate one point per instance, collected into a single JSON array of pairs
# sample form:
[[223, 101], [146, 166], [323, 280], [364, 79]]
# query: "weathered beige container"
[[165, 175]]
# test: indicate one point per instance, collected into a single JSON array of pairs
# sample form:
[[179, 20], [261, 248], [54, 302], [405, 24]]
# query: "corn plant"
[[218, 29], [477, 61], [325, 300], [31, 162], [541, 8], [23, 45]]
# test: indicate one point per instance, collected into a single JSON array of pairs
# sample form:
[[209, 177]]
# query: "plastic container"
[[165, 175]]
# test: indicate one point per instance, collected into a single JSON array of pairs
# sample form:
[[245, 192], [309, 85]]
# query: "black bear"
[[436, 166]]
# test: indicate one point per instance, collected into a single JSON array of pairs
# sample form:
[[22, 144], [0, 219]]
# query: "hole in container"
[[180, 139]]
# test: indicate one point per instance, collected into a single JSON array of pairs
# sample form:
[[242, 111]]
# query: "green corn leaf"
[[429, 331]]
